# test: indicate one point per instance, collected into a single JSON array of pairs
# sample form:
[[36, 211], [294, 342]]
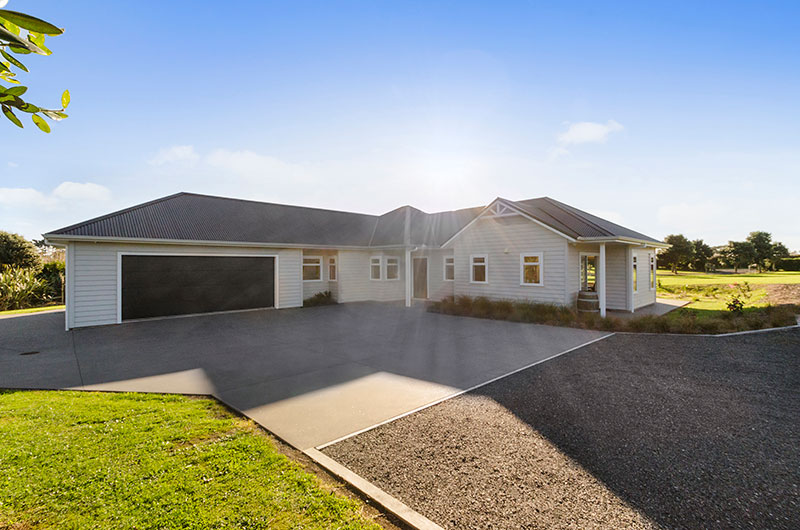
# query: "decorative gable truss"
[[498, 209]]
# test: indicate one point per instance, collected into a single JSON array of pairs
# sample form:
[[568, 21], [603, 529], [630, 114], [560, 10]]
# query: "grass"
[[31, 310], [666, 278], [104, 460], [679, 321]]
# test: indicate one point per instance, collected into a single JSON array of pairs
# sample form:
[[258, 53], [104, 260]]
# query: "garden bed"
[[684, 320]]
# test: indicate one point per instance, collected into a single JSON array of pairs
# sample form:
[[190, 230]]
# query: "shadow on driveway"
[[309, 375]]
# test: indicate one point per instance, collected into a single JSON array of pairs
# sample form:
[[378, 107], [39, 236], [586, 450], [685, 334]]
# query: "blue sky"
[[667, 117]]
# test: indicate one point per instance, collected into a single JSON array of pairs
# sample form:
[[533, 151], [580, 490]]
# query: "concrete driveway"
[[308, 375]]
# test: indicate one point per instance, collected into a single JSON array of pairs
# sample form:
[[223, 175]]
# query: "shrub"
[[52, 274], [20, 288], [683, 320], [790, 264], [16, 251], [323, 298], [482, 307]]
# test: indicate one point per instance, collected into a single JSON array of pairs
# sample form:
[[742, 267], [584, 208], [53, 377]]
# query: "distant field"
[[666, 278]]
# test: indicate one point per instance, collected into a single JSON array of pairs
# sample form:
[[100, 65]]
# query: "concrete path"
[[661, 307], [308, 375]]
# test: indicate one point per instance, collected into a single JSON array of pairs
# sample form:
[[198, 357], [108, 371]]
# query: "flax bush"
[[20, 288]]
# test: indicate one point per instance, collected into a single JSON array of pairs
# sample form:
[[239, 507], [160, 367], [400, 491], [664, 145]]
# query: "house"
[[189, 253]]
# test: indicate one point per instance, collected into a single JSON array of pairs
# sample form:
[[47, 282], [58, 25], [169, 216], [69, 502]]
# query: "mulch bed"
[[631, 432]]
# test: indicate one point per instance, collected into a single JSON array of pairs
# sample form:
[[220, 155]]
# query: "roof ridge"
[[561, 206], [119, 212]]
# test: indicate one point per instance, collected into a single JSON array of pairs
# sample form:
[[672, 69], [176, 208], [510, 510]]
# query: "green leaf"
[[10, 26], [13, 60], [54, 114], [37, 39], [65, 99], [11, 38], [30, 23], [29, 107], [39, 121], [17, 49], [10, 115], [16, 90]]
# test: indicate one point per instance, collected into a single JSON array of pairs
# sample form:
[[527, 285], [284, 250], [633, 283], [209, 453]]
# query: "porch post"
[[601, 279], [408, 277]]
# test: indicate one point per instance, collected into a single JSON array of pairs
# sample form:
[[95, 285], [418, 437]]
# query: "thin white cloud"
[[86, 191], [13, 164], [173, 154], [65, 194], [22, 197], [588, 132]]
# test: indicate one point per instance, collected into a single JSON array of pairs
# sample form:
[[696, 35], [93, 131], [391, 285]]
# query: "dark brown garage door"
[[155, 286]]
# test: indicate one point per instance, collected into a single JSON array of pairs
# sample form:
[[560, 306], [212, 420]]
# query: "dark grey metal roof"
[[189, 216], [574, 222], [195, 217]]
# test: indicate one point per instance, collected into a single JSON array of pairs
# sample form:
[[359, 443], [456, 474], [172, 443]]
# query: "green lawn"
[[104, 460], [30, 310], [698, 278]]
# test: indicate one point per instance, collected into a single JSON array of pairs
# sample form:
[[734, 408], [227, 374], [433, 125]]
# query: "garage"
[[165, 285]]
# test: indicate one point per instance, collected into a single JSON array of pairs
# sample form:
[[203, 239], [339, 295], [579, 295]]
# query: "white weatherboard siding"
[[354, 275], [355, 284], [503, 239], [94, 276], [617, 276], [645, 296]]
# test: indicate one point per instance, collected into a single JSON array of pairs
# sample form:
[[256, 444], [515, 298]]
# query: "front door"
[[420, 277]]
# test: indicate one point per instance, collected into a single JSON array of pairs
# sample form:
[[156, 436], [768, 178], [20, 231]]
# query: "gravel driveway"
[[634, 431]]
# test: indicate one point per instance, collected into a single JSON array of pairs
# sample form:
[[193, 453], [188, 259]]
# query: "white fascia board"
[[624, 240]]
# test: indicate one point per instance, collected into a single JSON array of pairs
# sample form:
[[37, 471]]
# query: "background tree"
[[739, 254], [679, 254], [762, 245], [779, 253], [16, 251], [701, 254], [22, 34]]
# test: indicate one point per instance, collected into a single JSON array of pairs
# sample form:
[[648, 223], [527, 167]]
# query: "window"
[[479, 272], [449, 269], [530, 269], [392, 268], [635, 276], [332, 269], [375, 268], [652, 271], [312, 268]]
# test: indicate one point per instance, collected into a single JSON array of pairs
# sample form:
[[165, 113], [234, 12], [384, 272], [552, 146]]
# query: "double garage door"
[[155, 286]]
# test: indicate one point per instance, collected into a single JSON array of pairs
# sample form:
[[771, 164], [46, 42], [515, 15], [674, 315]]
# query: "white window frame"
[[540, 263], [333, 265], [635, 273], [380, 268], [444, 268], [652, 259], [304, 265], [472, 268], [397, 264]]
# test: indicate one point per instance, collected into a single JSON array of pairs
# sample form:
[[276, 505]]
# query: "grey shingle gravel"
[[630, 432]]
